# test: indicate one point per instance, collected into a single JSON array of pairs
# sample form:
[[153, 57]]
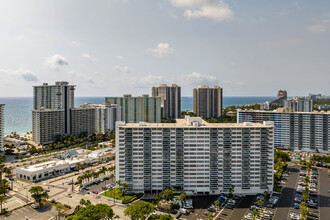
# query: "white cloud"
[[87, 56], [162, 49], [20, 37], [121, 69], [319, 28], [26, 74], [56, 61], [76, 44], [145, 82], [120, 57], [195, 79], [212, 9]]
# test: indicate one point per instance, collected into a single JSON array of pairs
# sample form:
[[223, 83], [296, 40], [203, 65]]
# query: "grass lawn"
[[114, 193]]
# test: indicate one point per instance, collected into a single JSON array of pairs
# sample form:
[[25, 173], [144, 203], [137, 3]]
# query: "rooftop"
[[283, 110], [194, 122]]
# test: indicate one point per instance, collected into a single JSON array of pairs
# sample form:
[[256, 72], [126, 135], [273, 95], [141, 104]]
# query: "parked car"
[[269, 212], [184, 211], [68, 195], [296, 206], [312, 204], [248, 216], [95, 192], [34, 206], [211, 209], [294, 216], [297, 199]]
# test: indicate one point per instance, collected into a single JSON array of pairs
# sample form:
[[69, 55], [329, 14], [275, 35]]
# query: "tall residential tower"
[[171, 100], [195, 156], [208, 101], [137, 109]]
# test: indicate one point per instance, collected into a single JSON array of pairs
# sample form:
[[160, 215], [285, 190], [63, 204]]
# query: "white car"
[[269, 212], [248, 216], [68, 195], [34, 206], [294, 216]]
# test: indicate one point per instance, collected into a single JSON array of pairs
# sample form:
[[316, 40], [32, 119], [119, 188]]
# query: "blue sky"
[[108, 48]]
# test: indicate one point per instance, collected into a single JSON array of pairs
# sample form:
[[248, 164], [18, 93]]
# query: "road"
[[324, 194], [287, 194]]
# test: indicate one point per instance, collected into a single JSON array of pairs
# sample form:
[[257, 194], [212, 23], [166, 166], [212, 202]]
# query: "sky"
[[116, 47]]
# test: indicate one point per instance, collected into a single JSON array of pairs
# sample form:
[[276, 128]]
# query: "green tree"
[[93, 212], [231, 190], [160, 217], [82, 202], [168, 194], [267, 195], [260, 202], [139, 210], [209, 216], [183, 196], [2, 200], [305, 196], [38, 194], [217, 203], [255, 213], [304, 210]]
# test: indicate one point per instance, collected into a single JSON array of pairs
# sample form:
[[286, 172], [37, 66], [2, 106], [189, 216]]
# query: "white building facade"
[[307, 131], [195, 156]]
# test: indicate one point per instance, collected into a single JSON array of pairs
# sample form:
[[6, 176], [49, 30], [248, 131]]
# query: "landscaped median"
[[115, 193]]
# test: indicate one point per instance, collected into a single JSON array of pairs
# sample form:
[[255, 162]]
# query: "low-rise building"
[[54, 168]]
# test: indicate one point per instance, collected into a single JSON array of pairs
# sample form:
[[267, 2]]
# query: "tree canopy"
[[161, 217], [139, 210], [38, 194], [95, 212]]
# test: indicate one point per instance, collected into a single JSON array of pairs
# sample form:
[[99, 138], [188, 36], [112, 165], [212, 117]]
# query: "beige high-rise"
[[208, 101], [171, 100]]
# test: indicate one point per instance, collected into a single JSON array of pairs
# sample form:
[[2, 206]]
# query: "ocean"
[[18, 116]]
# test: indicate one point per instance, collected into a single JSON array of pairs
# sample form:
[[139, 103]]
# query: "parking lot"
[[46, 212], [97, 187]]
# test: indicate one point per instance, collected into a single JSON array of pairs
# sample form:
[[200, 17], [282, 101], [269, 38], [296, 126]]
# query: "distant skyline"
[[111, 48]]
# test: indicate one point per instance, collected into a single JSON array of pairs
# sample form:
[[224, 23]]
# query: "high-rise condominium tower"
[[208, 101], [195, 156], [306, 131], [1, 125], [55, 97], [137, 109], [171, 100]]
